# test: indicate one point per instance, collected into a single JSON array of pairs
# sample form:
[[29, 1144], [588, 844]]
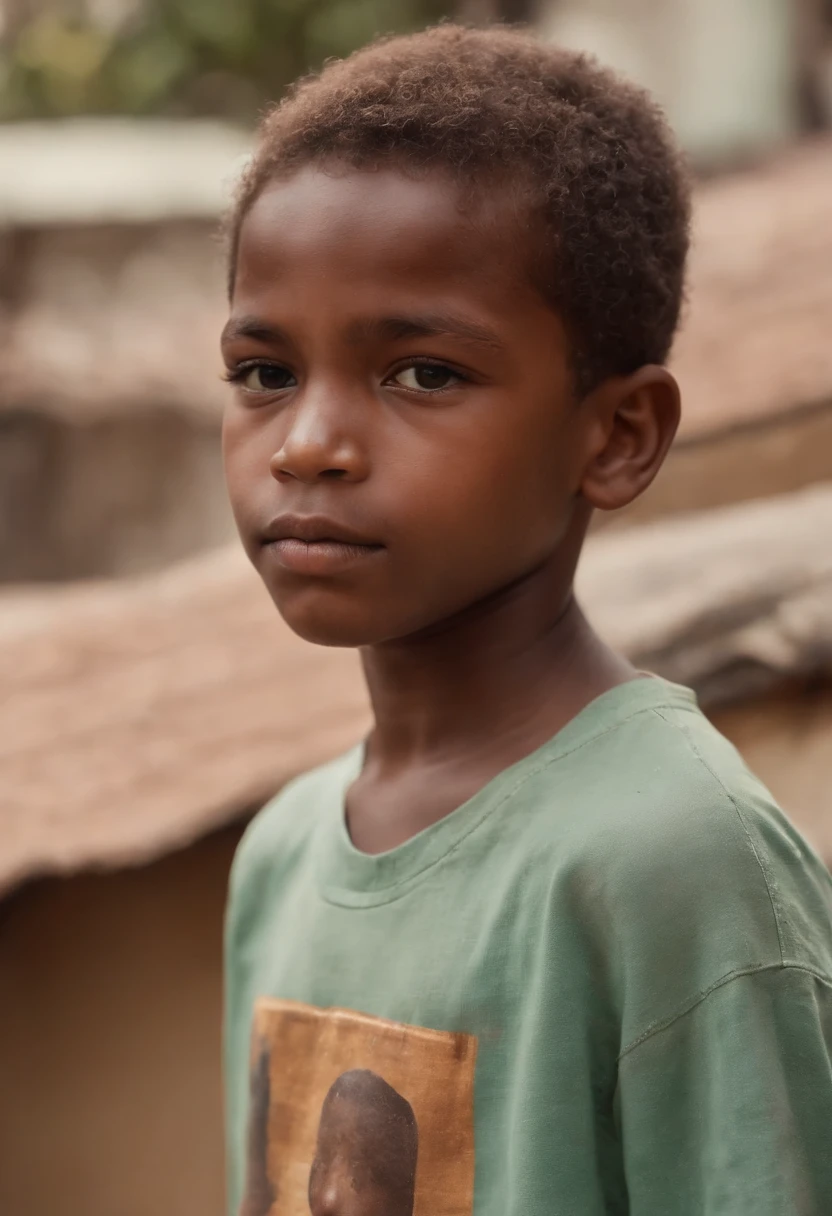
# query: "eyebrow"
[[424, 325], [252, 327], [381, 329]]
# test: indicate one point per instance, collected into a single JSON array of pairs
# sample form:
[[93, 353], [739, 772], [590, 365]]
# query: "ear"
[[631, 424]]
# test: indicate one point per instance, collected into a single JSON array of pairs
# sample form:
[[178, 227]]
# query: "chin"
[[330, 633], [328, 624], [333, 621]]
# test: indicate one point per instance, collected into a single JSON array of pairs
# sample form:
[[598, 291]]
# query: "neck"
[[505, 674]]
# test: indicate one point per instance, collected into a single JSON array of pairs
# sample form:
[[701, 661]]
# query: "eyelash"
[[425, 361], [235, 375]]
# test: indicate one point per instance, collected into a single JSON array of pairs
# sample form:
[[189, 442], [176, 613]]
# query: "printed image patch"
[[352, 1115]]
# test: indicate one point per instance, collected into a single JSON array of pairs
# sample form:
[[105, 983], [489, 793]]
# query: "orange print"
[[352, 1115]]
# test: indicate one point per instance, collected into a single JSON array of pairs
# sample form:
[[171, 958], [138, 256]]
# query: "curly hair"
[[606, 187]]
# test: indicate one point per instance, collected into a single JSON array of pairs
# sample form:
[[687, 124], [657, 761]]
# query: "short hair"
[[593, 153]]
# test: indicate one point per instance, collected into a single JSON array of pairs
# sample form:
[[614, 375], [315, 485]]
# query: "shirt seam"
[[398, 889], [738, 973], [696, 752]]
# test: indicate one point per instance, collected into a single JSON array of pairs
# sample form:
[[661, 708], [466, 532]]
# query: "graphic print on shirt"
[[352, 1115]]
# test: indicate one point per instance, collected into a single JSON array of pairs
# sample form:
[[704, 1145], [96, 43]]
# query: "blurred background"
[[150, 701]]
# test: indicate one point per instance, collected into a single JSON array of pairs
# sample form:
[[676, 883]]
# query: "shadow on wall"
[[110, 1051]]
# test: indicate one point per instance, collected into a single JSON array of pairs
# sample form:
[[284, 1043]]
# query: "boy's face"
[[405, 442]]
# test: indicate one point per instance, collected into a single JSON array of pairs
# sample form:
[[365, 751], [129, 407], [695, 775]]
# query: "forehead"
[[384, 228]]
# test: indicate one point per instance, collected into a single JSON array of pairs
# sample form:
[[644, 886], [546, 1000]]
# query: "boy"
[[545, 901]]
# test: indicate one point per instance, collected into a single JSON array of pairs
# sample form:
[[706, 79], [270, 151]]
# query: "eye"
[[262, 377], [426, 377]]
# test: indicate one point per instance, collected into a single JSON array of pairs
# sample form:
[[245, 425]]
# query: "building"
[[112, 298]]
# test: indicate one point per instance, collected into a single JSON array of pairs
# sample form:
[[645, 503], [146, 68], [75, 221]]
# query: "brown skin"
[[365, 1157], [474, 479]]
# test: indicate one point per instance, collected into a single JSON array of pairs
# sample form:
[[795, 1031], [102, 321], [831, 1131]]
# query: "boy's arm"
[[727, 1110]]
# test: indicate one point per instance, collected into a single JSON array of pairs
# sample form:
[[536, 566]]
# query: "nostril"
[[333, 474]]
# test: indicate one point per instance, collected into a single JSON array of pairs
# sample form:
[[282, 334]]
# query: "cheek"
[[245, 454], [477, 511], [231, 443], [504, 481]]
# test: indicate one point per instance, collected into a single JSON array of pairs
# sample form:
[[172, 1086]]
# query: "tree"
[[201, 57]]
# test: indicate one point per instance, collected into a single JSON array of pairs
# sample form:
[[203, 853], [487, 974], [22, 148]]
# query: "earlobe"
[[634, 421]]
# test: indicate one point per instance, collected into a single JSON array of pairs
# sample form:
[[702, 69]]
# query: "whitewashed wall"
[[725, 70]]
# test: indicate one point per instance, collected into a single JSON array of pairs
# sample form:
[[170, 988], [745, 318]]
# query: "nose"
[[326, 1203], [318, 446]]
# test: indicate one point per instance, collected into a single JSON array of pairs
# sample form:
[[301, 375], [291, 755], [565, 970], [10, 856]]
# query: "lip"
[[316, 545]]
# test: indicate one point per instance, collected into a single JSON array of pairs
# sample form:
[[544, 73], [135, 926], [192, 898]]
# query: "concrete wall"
[[112, 496], [109, 496], [110, 1000], [110, 398]]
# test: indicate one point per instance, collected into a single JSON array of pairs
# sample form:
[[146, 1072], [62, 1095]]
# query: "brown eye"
[[426, 377], [267, 378]]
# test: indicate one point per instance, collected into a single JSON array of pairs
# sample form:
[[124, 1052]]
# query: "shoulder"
[[279, 838], [681, 868], [705, 814], [664, 794]]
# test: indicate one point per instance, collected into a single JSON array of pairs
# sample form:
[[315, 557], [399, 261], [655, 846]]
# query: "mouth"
[[313, 545]]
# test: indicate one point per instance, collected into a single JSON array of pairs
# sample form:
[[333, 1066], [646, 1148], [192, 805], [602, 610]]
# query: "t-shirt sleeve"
[[727, 1109]]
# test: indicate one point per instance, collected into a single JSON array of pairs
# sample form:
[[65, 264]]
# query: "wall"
[[110, 398], [725, 71], [112, 496], [110, 999]]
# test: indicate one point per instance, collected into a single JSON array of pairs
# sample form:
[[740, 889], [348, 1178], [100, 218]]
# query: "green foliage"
[[204, 57]]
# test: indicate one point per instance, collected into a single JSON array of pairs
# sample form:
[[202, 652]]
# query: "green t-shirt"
[[602, 985]]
